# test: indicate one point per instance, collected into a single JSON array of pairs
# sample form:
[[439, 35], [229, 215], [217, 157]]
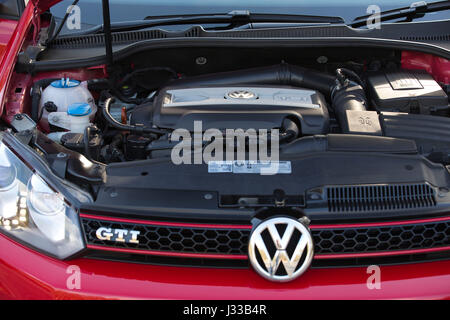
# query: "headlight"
[[34, 205]]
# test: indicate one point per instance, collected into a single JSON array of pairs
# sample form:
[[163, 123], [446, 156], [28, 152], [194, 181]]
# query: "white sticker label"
[[220, 166], [258, 167]]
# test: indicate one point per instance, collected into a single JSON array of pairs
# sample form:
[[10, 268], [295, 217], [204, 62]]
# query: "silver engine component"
[[227, 107]]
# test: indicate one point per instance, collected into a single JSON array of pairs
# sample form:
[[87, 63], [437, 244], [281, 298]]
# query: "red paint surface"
[[7, 28], [25, 274], [81, 74], [438, 67], [43, 5], [9, 58], [18, 98]]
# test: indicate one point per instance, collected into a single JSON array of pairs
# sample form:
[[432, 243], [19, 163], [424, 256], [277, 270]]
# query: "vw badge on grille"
[[241, 94], [281, 249]]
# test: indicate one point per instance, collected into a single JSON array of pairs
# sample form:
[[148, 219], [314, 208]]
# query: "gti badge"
[[281, 241], [117, 235]]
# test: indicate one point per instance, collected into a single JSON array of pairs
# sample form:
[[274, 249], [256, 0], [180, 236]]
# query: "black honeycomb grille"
[[380, 197], [338, 240], [173, 239], [387, 238]]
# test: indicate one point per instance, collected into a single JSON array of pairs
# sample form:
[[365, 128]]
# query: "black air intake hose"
[[282, 74], [347, 95], [349, 143], [290, 130]]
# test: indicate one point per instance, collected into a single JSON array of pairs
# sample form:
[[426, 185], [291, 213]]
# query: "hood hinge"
[[36, 21]]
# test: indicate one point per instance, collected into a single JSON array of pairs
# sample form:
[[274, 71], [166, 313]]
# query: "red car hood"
[[43, 5]]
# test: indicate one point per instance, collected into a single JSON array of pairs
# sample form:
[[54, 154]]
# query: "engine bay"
[[131, 115]]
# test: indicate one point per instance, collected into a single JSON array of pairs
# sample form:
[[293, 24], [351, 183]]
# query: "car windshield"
[[90, 11]]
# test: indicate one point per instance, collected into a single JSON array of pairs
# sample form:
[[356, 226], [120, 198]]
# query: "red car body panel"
[[43, 5], [7, 28], [12, 49], [438, 67], [25, 274]]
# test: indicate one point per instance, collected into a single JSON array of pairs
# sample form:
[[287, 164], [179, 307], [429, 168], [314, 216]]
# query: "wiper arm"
[[414, 11], [234, 19]]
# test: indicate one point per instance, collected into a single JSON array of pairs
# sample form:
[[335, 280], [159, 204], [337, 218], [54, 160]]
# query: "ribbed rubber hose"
[[282, 74]]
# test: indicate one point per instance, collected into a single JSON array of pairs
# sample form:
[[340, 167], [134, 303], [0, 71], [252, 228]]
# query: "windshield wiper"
[[414, 11], [234, 19]]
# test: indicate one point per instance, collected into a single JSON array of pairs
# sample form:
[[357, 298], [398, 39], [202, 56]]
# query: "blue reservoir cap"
[[79, 109], [65, 83]]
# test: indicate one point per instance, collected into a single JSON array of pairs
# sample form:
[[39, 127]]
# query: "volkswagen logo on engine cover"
[[241, 94], [281, 249]]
